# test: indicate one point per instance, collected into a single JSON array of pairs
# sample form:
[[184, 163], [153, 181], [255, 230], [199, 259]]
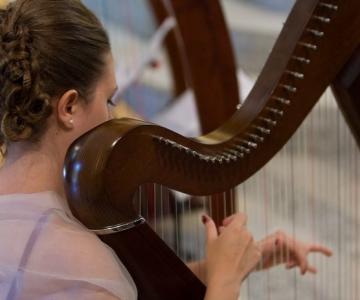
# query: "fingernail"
[[204, 219]]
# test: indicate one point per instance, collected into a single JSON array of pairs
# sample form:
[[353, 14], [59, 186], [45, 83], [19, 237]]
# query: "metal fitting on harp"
[[205, 158], [243, 149], [219, 159], [249, 144], [231, 156], [119, 227], [329, 6], [275, 111], [295, 74], [322, 19], [255, 137], [268, 121], [282, 100], [289, 88], [262, 129], [301, 59], [236, 153], [308, 45], [315, 32]]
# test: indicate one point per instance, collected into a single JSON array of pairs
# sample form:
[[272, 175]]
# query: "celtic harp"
[[201, 25], [105, 167]]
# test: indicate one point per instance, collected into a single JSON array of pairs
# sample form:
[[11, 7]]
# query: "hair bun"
[[23, 103], [15, 64], [15, 128], [41, 57], [39, 108]]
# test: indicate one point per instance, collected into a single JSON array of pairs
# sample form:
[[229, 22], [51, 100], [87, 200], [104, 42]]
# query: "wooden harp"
[[104, 168]]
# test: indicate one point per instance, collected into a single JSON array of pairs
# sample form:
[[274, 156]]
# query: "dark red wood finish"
[[346, 88], [202, 58], [165, 276], [105, 166], [173, 51]]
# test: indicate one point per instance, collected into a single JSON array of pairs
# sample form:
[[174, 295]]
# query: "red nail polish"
[[204, 219]]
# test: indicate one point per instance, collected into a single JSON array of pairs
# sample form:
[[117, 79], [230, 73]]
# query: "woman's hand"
[[230, 256], [281, 248]]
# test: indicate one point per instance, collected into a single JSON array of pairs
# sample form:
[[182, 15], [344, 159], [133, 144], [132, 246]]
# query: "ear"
[[67, 107]]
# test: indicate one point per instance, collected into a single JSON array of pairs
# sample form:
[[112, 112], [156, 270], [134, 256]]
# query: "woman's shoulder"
[[73, 248], [44, 221], [52, 245], [68, 250]]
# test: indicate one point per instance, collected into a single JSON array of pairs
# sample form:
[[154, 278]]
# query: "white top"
[[45, 253]]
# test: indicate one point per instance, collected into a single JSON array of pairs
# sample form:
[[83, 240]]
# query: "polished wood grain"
[[104, 167]]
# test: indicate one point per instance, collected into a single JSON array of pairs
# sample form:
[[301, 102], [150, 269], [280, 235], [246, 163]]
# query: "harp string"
[[322, 161], [130, 48], [340, 202], [318, 204], [322, 195]]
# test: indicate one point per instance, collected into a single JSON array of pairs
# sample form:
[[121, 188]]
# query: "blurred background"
[[253, 24], [310, 189]]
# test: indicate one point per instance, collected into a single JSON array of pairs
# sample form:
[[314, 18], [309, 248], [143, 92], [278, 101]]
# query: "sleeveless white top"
[[45, 253]]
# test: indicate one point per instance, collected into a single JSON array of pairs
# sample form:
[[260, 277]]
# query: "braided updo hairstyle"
[[46, 48]]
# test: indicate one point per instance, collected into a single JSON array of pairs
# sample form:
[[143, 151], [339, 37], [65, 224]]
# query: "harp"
[[309, 55]]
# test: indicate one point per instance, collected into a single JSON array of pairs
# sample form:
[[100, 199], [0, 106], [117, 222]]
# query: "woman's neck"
[[31, 171]]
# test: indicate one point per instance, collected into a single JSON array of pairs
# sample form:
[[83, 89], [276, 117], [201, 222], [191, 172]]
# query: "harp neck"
[[301, 65]]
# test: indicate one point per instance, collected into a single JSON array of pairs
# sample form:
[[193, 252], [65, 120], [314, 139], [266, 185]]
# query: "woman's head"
[[54, 59]]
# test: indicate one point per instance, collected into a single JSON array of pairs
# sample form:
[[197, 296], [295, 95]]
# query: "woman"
[[56, 82]]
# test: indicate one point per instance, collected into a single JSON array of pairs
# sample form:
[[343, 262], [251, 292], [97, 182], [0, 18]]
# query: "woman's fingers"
[[233, 253], [227, 221], [301, 255], [238, 220], [312, 269], [320, 249], [221, 229], [291, 264], [303, 263], [250, 259], [297, 251], [211, 231]]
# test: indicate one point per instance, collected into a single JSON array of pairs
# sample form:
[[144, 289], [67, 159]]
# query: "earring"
[[71, 122]]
